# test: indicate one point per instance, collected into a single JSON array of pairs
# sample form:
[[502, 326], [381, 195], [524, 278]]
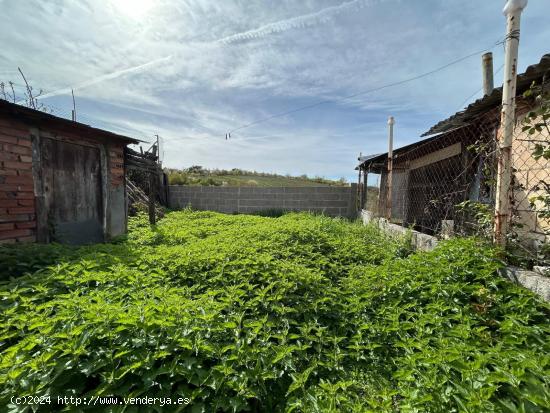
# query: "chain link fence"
[[529, 234], [432, 179], [446, 184]]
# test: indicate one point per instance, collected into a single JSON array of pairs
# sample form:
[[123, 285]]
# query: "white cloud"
[[298, 22], [192, 69], [103, 78]]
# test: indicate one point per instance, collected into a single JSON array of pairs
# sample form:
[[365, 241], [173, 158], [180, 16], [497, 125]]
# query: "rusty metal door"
[[72, 191]]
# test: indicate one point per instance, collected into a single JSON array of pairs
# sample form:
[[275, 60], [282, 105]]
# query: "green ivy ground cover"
[[245, 313]]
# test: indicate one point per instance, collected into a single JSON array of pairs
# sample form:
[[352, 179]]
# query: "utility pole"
[[391, 122], [359, 194], [512, 11]]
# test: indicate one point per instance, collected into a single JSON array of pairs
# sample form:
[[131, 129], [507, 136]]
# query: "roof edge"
[[34, 116]]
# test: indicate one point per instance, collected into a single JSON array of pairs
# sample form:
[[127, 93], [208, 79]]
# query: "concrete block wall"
[[419, 240], [329, 200]]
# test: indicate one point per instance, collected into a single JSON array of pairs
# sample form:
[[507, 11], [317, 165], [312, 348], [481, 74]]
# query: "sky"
[[193, 70]]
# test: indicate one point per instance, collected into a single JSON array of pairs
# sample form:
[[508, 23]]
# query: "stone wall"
[[329, 200]]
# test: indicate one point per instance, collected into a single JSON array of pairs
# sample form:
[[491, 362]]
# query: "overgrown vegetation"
[[536, 124], [298, 313], [481, 214], [197, 175]]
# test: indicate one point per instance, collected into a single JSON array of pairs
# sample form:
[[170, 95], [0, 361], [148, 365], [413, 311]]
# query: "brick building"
[[60, 180]]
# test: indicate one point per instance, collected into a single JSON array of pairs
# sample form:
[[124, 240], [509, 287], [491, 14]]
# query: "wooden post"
[[391, 122], [153, 182], [366, 188], [152, 196], [42, 231], [105, 190], [379, 211], [358, 194]]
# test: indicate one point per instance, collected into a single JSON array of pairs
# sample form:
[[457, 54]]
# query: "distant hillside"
[[197, 175]]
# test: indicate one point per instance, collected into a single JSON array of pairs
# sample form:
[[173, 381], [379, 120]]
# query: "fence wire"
[[529, 237], [446, 185], [431, 179]]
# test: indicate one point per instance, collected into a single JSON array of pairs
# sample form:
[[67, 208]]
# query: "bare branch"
[[29, 90], [12, 92]]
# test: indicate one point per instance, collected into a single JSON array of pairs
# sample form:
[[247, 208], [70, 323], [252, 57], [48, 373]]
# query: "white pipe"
[[512, 11], [514, 6], [487, 67]]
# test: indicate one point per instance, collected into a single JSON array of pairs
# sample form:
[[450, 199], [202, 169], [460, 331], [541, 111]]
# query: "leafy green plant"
[[482, 216], [272, 212], [535, 124], [197, 175], [298, 313], [20, 259]]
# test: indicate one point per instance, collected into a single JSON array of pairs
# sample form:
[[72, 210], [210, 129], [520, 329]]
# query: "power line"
[[366, 91], [479, 90]]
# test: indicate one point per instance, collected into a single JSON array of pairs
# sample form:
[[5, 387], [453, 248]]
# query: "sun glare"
[[135, 9]]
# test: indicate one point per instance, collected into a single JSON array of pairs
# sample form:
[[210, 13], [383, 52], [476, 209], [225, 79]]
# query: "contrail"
[[102, 78], [306, 20], [298, 22]]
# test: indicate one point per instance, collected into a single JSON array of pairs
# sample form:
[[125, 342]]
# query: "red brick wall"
[[17, 206], [116, 163]]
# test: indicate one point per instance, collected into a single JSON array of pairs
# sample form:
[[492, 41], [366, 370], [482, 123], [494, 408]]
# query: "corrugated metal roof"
[[362, 159], [372, 159], [486, 103]]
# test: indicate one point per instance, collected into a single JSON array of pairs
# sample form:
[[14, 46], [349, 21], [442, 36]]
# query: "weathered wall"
[[17, 206], [24, 190], [111, 192], [117, 210], [332, 201]]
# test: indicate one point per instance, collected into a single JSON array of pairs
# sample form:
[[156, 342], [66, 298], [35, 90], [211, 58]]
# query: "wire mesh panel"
[[368, 190], [530, 199], [434, 191], [433, 178], [371, 193], [447, 184]]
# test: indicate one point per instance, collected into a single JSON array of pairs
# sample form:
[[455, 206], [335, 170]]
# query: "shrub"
[[298, 313]]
